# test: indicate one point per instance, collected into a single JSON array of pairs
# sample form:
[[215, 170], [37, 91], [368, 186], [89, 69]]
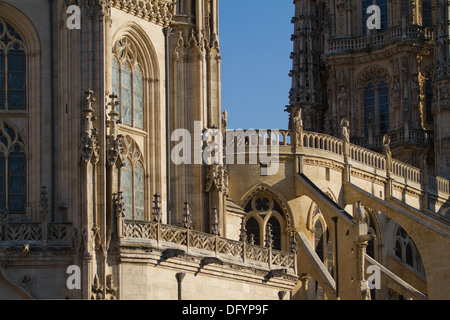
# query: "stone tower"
[[384, 81], [306, 81], [440, 106], [195, 102]]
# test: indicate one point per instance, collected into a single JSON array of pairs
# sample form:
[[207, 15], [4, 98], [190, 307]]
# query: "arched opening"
[[253, 230]]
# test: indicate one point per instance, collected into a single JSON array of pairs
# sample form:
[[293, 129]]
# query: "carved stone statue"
[[342, 102], [298, 127], [387, 152], [345, 136]]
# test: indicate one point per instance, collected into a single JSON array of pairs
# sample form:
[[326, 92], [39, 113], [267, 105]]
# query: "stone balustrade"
[[399, 33], [368, 157], [321, 141], [401, 172], [397, 137], [191, 241]]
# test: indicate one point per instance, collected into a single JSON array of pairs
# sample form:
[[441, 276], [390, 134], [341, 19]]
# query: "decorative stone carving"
[[113, 139], [342, 102], [297, 126], [269, 236], [217, 174], [96, 289], [215, 225], [89, 138], [156, 11], [187, 222], [157, 214], [111, 287]]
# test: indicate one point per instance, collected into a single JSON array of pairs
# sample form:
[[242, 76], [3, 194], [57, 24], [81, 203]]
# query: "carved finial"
[[187, 223], [157, 214], [119, 205], [215, 222], [294, 247], [269, 236], [113, 139], [243, 234], [251, 240], [89, 139]]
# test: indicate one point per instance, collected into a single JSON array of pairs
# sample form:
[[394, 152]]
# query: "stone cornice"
[[160, 12]]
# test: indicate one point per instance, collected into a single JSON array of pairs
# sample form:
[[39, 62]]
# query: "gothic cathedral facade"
[[95, 96]]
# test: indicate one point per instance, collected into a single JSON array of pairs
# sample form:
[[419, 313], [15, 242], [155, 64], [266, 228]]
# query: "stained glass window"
[[369, 107], [125, 98], [116, 80], [376, 107], [383, 108], [133, 182], [128, 84], [2, 181], [17, 180], [127, 189], [138, 95], [12, 69], [2, 79], [13, 164], [139, 195]]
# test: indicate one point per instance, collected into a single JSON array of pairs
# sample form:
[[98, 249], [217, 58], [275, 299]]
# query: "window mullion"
[[6, 180], [6, 76]]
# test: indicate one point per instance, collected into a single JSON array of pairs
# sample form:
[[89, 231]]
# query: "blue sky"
[[255, 46]]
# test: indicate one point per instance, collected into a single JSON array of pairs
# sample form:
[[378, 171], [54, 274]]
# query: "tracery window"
[[133, 181], [12, 69], [405, 249], [12, 170], [128, 83], [263, 210], [376, 107]]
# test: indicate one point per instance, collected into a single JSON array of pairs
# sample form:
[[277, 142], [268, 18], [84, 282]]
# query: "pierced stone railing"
[[18, 233], [158, 234], [400, 33]]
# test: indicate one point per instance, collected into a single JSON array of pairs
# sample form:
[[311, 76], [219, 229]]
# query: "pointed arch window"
[[132, 182], [12, 69], [128, 83], [12, 170], [376, 107], [263, 210], [406, 250]]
